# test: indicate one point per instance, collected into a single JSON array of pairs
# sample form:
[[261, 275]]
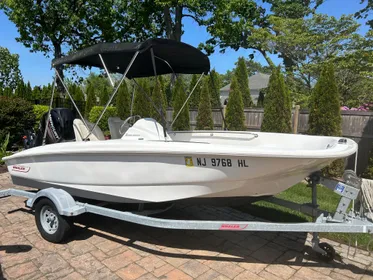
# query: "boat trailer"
[[53, 207]]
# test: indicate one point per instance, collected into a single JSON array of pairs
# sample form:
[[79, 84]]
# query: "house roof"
[[256, 81]]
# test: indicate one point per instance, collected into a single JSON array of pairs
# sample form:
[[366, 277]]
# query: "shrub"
[[325, 115], [182, 122], [96, 112], [16, 115], [123, 101], [243, 82], [235, 117], [3, 148], [277, 107], [204, 117], [39, 111]]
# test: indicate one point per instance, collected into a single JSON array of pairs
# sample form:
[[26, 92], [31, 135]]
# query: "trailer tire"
[[52, 226]]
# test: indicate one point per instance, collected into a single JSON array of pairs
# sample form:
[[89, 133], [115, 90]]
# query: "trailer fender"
[[63, 201]]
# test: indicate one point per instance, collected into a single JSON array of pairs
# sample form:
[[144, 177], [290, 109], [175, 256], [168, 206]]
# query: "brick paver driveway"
[[104, 248]]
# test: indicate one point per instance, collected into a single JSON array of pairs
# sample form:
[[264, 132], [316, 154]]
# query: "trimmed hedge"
[[95, 113], [16, 115], [39, 111]]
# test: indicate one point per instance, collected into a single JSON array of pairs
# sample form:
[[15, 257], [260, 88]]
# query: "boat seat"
[[81, 131], [115, 124]]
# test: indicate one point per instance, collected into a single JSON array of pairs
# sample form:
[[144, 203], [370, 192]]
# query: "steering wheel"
[[126, 122]]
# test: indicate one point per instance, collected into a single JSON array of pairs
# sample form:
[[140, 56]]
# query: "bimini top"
[[182, 58]]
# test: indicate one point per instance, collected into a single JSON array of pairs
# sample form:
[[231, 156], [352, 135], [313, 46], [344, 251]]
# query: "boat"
[[150, 163]]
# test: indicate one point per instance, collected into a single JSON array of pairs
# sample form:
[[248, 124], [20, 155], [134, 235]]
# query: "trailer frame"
[[53, 208]]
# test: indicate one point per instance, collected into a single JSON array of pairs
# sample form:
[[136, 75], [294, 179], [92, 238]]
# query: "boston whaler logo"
[[20, 168], [232, 227]]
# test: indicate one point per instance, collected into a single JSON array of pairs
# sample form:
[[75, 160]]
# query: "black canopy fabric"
[[182, 57]]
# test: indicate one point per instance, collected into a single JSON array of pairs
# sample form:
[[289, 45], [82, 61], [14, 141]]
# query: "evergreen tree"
[[8, 92], [235, 117], [159, 99], [194, 99], [141, 104], [204, 117], [36, 93], [1, 91], [123, 101], [28, 91], [78, 95], [243, 82], [325, 114], [179, 96], [215, 85], [277, 107], [91, 99], [168, 91], [46, 92], [104, 96], [20, 90]]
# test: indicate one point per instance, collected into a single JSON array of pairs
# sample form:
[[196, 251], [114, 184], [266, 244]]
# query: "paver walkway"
[[104, 248]]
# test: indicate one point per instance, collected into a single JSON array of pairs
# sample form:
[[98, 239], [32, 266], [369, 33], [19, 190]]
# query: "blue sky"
[[35, 67]]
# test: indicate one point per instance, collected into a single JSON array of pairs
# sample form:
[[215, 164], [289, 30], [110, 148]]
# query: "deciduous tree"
[[10, 75]]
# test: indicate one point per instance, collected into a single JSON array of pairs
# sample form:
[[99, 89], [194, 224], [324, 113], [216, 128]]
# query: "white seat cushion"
[[81, 131]]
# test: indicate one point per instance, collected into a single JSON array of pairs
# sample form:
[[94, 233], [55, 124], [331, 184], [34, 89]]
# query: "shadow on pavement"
[[12, 249], [221, 246]]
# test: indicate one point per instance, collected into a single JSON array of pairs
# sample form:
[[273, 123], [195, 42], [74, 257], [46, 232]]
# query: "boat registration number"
[[215, 162]]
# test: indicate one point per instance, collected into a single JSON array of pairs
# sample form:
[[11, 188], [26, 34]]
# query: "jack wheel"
[[52, 226], [329, 254]]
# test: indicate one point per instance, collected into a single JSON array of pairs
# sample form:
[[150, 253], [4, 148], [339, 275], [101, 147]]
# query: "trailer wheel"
[[51, 225], [329, 252]]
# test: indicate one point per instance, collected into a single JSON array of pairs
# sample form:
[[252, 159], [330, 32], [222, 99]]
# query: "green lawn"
[[300, 193]]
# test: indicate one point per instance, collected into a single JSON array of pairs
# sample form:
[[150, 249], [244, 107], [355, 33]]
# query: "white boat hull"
[[194, 165]]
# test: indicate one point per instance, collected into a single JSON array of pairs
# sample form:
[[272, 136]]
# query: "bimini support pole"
[[163, 115], [113, 94], [107, 71], [49, 111], [186, 101], [71, 98]]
